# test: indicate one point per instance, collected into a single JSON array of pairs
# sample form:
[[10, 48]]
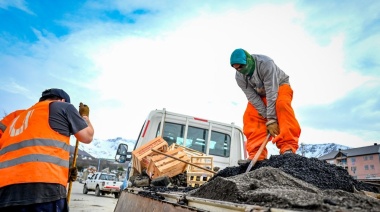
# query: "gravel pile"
[[290, 182], [310, 170], [272, 188]]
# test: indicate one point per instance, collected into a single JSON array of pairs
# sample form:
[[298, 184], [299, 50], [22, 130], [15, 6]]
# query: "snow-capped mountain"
[[318, 150], [107, 148], [310, 150]]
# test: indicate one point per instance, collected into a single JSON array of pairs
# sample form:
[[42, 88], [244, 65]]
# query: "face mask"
[[249, 68]]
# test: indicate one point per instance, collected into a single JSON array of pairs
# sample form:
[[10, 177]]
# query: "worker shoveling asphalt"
[[292, 182]]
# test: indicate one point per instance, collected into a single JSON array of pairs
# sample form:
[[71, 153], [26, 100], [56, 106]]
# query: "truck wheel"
[[117, 195], [103, 193], [97, 191], [85, 190]]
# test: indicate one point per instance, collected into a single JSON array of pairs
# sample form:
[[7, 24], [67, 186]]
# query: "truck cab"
[[225, 142]]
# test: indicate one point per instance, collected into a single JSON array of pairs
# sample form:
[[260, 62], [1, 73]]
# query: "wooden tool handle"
[[258, 153], [74, 165]]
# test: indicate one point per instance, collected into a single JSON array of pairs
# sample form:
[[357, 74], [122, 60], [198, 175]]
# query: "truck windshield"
[[111, 177], [220, 143]]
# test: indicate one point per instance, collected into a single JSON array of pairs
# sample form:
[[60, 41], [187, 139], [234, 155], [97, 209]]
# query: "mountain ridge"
[[106, 148]]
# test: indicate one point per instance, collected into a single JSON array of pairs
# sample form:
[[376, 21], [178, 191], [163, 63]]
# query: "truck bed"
[[136, 199]]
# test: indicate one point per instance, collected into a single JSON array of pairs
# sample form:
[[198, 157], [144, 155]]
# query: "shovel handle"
[[74, 165], [258, 153]]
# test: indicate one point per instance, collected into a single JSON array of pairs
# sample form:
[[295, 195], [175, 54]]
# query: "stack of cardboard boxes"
[[158, 165]]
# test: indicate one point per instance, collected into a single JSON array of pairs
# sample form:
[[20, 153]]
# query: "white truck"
[[225, 142], [102, 183]]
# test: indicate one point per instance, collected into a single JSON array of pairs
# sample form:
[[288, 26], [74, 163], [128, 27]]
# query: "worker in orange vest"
[[35, 151], [7, 120], [269, 109]]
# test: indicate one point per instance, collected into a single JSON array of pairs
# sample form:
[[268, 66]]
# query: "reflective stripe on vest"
[[35, 142], [32, 152], [34, 157]]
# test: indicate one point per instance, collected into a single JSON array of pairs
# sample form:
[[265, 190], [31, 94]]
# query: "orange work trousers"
[[255, 129]]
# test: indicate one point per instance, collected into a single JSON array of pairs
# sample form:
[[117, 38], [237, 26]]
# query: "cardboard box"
[[161, 165], [196, 176], [196, 179], [189, 152], [142, 155]]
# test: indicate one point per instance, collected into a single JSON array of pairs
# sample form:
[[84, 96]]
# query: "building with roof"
[[362, 163]]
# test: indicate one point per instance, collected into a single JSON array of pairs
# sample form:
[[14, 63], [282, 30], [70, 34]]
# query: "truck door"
[[92, 181]]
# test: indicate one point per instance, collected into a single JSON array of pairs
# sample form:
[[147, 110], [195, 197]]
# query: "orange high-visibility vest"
[[32, 152]]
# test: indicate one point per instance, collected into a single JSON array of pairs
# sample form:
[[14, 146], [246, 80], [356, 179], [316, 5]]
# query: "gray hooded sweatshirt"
[[265, 81]]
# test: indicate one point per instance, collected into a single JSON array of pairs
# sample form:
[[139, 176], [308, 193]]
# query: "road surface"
[[80, 202]]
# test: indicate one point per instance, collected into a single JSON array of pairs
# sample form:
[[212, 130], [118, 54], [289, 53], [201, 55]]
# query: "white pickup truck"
[[102, 183], [223, 141]]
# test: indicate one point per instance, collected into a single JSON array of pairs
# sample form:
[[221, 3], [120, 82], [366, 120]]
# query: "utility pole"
[[302, 149]]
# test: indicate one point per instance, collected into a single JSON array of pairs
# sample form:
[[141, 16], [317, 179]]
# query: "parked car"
[[102, 183]]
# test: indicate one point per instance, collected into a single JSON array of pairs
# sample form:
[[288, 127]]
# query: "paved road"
[[80, 202]]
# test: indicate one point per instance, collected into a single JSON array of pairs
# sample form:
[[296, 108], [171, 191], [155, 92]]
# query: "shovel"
[[87, 113], [74, 165], [258, 153]]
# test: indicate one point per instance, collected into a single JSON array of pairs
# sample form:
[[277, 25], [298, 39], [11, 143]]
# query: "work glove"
[[84, 110], [73, 174], [272, 128]]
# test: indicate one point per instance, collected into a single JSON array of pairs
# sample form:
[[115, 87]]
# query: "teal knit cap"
[[240, 56]]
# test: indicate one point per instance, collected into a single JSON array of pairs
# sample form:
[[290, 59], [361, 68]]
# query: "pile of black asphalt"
[[292, 182], [311, 170]]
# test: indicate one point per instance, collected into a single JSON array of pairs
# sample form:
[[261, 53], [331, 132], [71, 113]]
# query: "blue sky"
[[126, 58]]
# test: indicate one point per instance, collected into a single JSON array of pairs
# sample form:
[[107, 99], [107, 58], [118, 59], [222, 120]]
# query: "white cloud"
[[188, 69], [19, 4], [182, 64]]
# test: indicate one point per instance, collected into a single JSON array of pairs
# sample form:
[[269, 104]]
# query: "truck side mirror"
[[122, 154]]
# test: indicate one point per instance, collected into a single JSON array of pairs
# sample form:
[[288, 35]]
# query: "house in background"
[[361, 163]]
